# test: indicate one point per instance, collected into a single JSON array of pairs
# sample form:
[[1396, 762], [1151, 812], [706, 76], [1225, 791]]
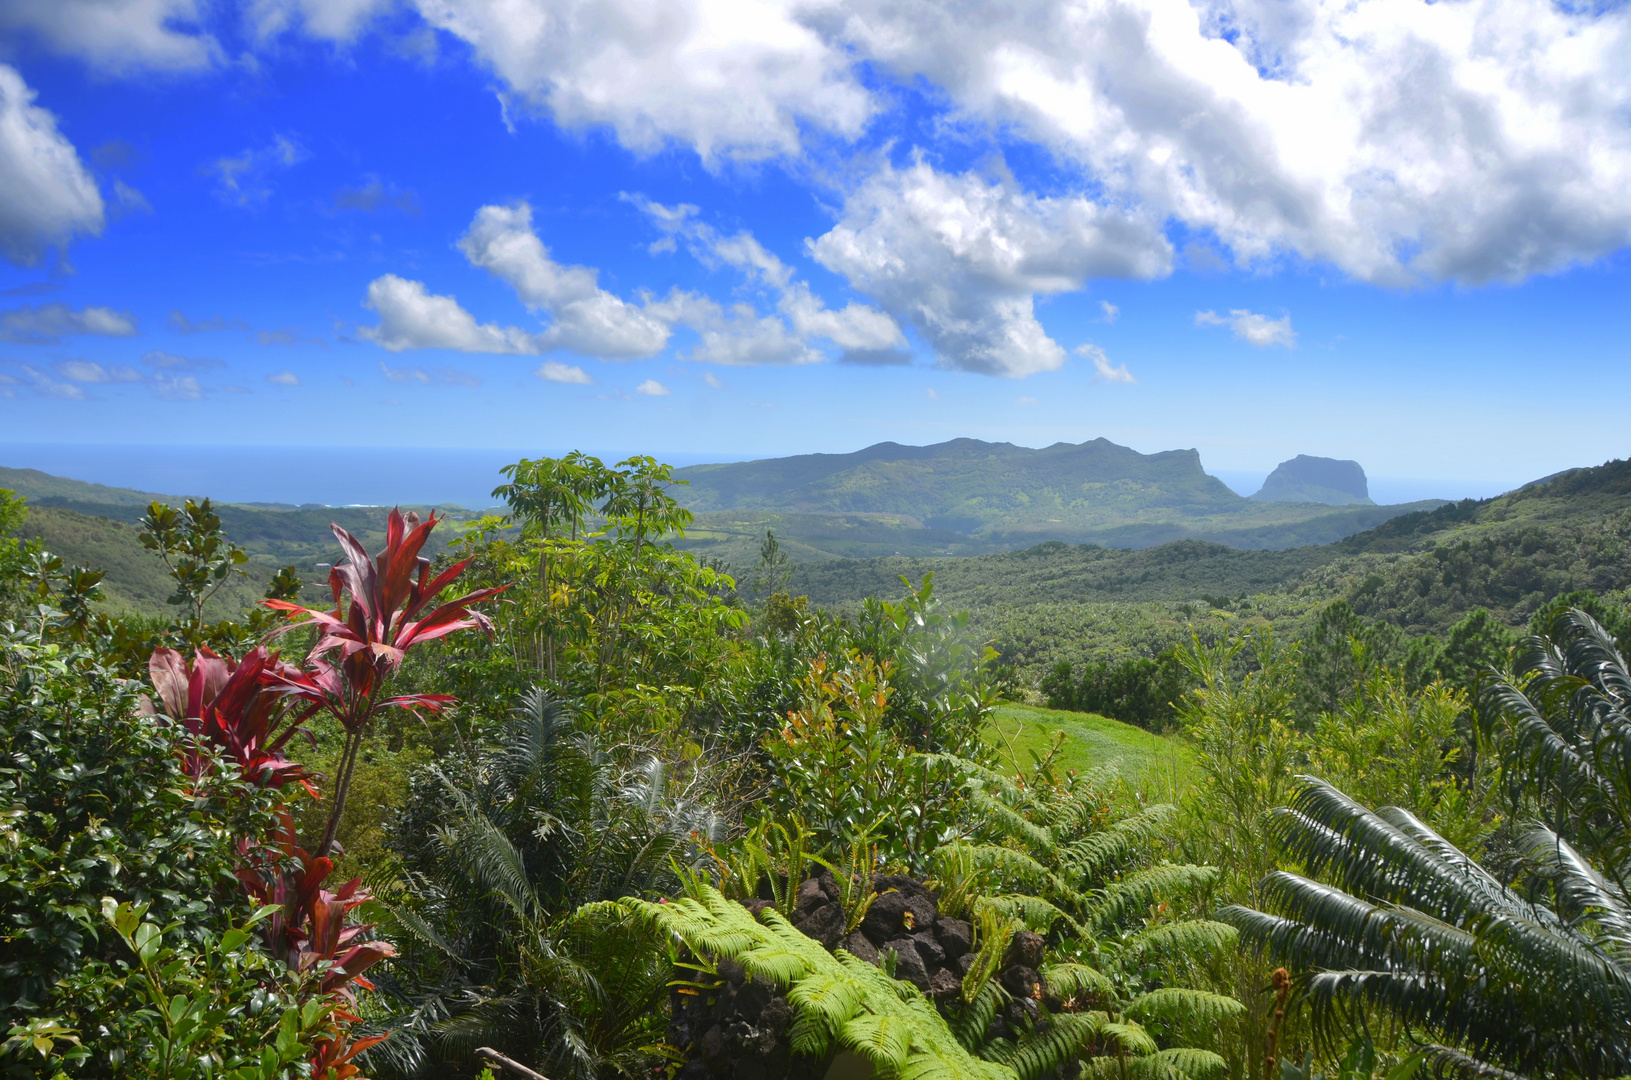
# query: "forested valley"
[[541, 792]]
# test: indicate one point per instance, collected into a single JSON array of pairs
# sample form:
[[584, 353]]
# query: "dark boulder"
[[944, 987], [1022, 982], [929, 948], [909, 965], [1026, 949], [858, 945], [906, 886], [810, 896], [885, 919], [963, 963], [956, 936], [825, 924]]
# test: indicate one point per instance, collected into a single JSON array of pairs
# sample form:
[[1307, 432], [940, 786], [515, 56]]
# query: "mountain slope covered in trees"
[[968, 497]]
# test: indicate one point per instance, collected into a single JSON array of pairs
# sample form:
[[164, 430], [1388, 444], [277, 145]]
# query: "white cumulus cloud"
[[412, 318], [585, 318], [962, 258], [116, 35], [1395, 139], [284, 378], [1103, 370], [652, 388], [46, 196], [555, 371], [863, 333], [725, 78], [1111, 311], [1259, 330]]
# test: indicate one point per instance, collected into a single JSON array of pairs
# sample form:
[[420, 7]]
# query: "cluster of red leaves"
[[239, 707], [372, 636], [313, 934], [248, 710]]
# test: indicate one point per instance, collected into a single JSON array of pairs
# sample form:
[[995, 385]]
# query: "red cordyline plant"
[[246, 711], [363, 642], [238, 706]]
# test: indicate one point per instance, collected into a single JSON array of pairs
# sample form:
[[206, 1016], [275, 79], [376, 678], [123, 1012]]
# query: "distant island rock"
[[1307, 479]]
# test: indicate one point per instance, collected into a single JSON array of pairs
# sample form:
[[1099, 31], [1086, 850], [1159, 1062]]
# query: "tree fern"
[[1068, 982], [1143, 887], [1179, 1006], [1178, 1063], [1042, 1051], [1097, 852], [890, 1024]]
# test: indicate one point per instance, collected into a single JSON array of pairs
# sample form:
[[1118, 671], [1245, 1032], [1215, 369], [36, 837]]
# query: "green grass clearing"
[[1160, 765]]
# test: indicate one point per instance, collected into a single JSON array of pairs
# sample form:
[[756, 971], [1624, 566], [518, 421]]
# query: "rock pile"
[[740, 1031]]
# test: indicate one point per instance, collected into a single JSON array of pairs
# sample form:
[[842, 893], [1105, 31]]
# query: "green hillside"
[[95, 525], [967, 497], [1421, 570]]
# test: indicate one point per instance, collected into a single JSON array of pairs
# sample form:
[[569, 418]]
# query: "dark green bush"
[[94, 804], [1136, 690]]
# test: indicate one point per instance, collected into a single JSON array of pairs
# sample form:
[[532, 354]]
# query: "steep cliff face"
[[1316, 480]]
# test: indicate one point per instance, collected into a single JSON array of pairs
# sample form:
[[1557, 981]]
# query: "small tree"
[[196, 552]]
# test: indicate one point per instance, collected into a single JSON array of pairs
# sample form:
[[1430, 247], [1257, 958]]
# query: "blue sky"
[[1390, 231]]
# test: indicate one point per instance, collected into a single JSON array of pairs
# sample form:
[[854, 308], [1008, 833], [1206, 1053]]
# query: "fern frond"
[[1191, 941], [1116, 901], [1128, 1035], [1179, 1006], [1069, 981], [997, 816], [892, 1025], [883, 1040], [830, 998], [1040, 1053], [972, 1022], [1036, 913], [1094, 854], [1179, 1063]]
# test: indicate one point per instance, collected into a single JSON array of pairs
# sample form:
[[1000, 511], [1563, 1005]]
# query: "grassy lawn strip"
[[1159, 765]]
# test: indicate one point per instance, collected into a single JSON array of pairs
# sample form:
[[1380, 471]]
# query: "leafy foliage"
[[495, 853]]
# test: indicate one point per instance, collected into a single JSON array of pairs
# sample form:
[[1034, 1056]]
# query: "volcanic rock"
[[1026, 949], [825, 924], [908, 964], [858, 945], [956, 936]]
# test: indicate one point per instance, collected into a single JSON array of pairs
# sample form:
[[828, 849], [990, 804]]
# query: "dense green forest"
[[542, 792]]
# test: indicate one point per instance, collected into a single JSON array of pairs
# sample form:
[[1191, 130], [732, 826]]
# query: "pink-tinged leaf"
[[210, 673], [168, 671]]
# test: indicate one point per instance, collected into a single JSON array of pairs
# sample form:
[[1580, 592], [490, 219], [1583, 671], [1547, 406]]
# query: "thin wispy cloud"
[[1252, 328]]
